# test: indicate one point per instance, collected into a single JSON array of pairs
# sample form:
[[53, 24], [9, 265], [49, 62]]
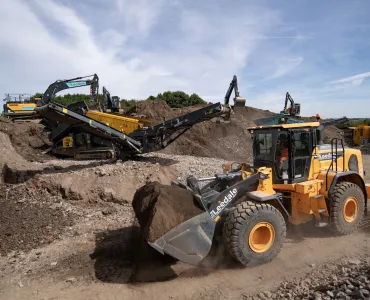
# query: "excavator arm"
[[294, 109], [109, 102], [60, 85], [238, 101]]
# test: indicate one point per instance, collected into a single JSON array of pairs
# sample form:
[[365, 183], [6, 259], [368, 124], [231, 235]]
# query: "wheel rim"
[[350, 210], [262, 237]]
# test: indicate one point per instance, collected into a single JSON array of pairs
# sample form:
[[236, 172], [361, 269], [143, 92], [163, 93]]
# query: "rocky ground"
[[345, 279]]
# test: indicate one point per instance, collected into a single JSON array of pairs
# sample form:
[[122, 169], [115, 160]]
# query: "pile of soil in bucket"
[[159, 208]]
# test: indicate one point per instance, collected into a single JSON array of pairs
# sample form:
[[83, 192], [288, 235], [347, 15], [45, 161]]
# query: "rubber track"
[[234, 221], [335, 210]]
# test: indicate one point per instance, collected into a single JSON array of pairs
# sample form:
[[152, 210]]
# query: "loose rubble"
[[346, 279]]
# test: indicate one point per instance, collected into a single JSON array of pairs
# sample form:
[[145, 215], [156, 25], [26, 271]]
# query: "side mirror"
[[285, 165]]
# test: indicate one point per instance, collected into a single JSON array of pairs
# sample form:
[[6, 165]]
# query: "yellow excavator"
[[295, 178]]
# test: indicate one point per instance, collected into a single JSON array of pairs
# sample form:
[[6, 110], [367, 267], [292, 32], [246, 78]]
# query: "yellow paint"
[[68, 142], [25, 109], [350, 210], [295, 125], [120, 123], [361, 134], [261, 237], [266, 184], [65, 110]]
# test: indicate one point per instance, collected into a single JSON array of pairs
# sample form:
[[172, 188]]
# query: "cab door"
[[301, 148]]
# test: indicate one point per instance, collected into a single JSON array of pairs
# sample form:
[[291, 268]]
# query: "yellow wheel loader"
[[294, 179]]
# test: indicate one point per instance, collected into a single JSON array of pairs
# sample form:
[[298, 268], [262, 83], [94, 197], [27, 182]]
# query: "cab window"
[[263, 146]]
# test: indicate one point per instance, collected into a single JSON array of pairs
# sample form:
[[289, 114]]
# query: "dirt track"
[[93, 257]]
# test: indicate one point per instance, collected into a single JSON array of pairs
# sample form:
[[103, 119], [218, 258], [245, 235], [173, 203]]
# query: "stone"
[[354, 261], [330, 294]]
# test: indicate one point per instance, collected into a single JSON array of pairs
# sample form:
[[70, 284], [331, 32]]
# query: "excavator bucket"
[[190, 241], [239, 102]]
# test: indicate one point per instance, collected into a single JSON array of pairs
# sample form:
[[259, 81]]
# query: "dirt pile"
[[159, 208], [28, 138], [332, 132], [211, 139], [29, 218], [349, 279], [156, 111], [222, 140]]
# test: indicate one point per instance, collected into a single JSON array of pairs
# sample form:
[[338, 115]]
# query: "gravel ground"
[[345, 279]]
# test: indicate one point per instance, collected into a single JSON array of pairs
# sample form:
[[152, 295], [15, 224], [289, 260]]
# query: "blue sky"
[[318, 51]]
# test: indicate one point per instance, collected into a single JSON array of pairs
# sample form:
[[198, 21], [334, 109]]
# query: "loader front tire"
[[347, 204], [254, 233]]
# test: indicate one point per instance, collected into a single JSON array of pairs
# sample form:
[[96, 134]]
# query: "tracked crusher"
[[295, 178], [82, 133]]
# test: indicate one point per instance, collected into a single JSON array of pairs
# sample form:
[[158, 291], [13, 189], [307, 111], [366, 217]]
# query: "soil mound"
[[222, 140], [28, 138], [332, 132], [159, 208], [156, 111], [29, 218], [230, 141]]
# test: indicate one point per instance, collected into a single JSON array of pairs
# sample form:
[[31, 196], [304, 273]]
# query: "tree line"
[[176, 99]]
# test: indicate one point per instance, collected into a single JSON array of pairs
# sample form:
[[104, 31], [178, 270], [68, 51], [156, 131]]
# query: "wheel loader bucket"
[[190, 241]]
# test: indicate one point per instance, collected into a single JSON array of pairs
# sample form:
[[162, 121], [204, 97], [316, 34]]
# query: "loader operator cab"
[[288, 151]]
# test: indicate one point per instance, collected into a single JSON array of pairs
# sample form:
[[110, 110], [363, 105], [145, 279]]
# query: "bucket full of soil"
[[159, 208]]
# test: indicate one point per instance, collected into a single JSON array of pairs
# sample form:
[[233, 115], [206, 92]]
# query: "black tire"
[[341, 192], [239, 225]]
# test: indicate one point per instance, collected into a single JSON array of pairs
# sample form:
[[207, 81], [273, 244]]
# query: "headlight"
[[262, 176]]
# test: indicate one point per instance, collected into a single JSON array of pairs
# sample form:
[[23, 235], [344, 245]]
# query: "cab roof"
[[288, 126]]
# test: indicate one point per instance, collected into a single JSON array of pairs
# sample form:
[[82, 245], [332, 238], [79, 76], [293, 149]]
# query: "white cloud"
[[285, 66], [139, 15], [200, 54], [354, 80]]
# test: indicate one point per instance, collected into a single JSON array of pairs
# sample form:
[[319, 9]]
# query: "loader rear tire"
[[347, 204], [254, 233]]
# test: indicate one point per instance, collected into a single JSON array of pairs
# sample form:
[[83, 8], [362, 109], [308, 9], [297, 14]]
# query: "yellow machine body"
[[308, 198], [21, 108], [118, 122], [361, 135]]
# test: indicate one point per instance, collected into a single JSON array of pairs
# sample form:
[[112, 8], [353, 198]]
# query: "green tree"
[[178, 99]]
